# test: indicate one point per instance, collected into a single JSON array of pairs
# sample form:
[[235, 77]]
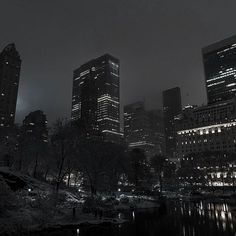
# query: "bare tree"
[[62, 144], [139, 170], [102, 164]]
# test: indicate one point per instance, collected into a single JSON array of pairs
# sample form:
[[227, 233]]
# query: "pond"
[[180, 218]]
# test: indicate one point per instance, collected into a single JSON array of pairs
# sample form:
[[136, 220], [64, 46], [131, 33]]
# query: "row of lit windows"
[[207, 129]]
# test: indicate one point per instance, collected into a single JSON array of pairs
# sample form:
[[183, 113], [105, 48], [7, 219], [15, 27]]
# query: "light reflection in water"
[[232, 226], [209, 215], [224, 208], [201, 206], [208, 206], [182, 211], [218, 215], [181, 219], [133, 215], [183, 231], [223, 215], [224, 226]]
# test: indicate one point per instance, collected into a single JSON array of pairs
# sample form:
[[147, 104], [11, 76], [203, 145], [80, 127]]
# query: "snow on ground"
[[38, 206]]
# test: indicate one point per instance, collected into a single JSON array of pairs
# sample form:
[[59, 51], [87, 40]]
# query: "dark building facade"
[[219, 61], [10, 64], [35, 126], [214, 168], [96, 97], [156, 124], [144, 129], [172, 106]]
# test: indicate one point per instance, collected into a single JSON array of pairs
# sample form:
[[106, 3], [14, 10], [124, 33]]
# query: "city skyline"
[[118, 117], [211, 49], [158, 105], [160, 61]]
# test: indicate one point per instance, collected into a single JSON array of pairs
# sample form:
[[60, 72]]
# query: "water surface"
[[181, 218]]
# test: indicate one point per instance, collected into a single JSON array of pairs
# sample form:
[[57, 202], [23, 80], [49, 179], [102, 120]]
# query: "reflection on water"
[[202, 218], [180, 219]]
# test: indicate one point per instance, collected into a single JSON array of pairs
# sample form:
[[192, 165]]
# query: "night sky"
[[158, 43]]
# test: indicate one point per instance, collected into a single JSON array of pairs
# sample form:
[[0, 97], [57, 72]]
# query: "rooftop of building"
[[95, 60], [219, 45], [11, 49], [171, 90]]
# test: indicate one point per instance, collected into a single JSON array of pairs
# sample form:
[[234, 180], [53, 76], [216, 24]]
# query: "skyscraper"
[[144, 129], [171, 107], [136, 126], [96, 97], [219, 61], [10, 64]]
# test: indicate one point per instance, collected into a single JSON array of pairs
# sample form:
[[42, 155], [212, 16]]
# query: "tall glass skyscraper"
[[219, 61], [10, 64], [96, 97]]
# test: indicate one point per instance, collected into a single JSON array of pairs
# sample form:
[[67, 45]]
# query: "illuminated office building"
[[96, 97], [207, 128], [219, 61], [10, 64]]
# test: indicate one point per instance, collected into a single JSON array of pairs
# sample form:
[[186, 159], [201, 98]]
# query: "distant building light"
[[201, 129]]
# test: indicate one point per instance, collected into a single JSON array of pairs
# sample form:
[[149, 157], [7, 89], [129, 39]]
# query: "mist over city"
[[117, 118]]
